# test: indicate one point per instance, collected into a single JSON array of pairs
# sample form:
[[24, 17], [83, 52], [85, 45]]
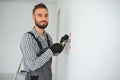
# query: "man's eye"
[[40, 15], [46, 15]]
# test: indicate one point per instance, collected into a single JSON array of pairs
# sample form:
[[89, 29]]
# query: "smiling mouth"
[[43, 23]]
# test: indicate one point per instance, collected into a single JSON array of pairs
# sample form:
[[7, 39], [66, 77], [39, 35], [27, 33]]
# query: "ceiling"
[[31, 1]]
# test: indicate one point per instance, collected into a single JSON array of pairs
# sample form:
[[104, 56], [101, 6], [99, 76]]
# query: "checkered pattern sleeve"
[[29, 51]]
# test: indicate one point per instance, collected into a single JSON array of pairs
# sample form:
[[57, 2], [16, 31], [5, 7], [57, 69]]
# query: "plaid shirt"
[[30, 49]]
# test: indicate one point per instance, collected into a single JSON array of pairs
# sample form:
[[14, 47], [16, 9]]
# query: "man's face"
[[40, 17]]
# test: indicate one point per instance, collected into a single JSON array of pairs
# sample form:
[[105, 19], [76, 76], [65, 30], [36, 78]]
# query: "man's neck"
[[40, 31]]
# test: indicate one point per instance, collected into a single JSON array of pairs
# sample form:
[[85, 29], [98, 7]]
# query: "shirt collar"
[[36, 33]]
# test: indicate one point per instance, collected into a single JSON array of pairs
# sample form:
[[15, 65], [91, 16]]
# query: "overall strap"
[[48, 41], [38, 42]]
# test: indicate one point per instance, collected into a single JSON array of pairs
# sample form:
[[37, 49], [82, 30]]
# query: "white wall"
[[64, 28], [95, 42], [15, 20]]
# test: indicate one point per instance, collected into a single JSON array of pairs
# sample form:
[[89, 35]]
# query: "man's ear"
[[33, 18]]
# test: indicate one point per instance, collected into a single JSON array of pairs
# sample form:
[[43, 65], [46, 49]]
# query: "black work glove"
[[56, 48], [63, 40]]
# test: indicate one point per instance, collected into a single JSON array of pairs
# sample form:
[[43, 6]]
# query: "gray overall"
[[43, 73]]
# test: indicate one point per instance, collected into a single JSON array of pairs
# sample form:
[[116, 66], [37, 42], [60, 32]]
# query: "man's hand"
[[56, 48], [64, 39]]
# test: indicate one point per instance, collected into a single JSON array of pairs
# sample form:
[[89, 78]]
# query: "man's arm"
[[29, 53]]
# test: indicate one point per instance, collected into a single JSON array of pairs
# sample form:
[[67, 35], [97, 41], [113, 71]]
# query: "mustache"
[[44, 21]]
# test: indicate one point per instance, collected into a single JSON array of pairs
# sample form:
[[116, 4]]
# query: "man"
[[37, 47]]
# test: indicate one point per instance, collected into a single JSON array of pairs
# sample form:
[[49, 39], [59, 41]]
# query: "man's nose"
[[43, 18]]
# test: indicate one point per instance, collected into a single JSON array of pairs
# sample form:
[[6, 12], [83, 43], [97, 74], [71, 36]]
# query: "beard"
[[43, 26]]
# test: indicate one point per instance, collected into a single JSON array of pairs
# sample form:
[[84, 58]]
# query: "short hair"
[[40, 5]]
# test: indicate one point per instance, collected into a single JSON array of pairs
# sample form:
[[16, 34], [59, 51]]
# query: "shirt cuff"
[[50, 51]]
